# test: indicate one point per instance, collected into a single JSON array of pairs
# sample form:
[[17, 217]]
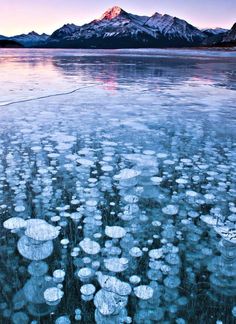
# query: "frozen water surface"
[[118, 186]]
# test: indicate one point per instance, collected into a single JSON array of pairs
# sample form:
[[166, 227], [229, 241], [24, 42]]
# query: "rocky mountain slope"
[[227, 38], [118, 28], [230, 37]]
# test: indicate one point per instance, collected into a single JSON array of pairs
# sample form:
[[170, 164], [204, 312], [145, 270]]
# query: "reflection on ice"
[[118, 205]]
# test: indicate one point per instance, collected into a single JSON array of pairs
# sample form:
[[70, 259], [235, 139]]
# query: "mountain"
[[31, 39], [117, 28], [230, 37], [224, 39], [214, 36], [65, 31], [214, 31], [6, 43], [174, 28]]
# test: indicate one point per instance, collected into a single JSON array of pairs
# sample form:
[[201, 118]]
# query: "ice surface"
[[117, 189]]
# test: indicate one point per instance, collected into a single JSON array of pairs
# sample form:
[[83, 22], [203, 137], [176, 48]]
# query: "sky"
[[23, 16]]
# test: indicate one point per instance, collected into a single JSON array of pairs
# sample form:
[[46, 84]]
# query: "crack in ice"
[[48, 96]]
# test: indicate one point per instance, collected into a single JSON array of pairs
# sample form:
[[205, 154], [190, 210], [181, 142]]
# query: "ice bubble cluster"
[[101, 224]]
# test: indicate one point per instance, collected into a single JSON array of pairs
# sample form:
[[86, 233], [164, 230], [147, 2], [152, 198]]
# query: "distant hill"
[[6, 43], [215, 31], [230, 37], [222, 39], [31, 39]]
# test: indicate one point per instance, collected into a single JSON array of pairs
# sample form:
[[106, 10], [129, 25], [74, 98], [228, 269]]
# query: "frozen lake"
[[117, 186]]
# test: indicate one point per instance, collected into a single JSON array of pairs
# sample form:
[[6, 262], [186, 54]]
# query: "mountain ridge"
[[117, 28]]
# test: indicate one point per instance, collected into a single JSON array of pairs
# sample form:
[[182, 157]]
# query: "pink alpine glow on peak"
[[113, 13]]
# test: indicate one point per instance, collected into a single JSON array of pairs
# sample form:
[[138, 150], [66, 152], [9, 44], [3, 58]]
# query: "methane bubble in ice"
[[85, 274], [172, 282], [34, 250], [127, 174], [59, 275], [136, 252], [14, 223], [109, 303], [88, 289], [115, 232], [63, 320], [170, 210], [53, 295], [87, 292], [113, 284], [116, 264], [210, 220], [143, 292], [38, 268], [229, 234], [155, 253], [20, 317], [41, 231], [89, 246], [19, 208]]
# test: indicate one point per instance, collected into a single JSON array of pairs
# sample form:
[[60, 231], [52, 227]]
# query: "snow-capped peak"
[[159, 21], [112, 13]]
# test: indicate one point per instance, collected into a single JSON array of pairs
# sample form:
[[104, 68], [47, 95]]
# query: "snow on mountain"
[[172, 27], [30, 39], [214, 31], [118, 28], [65, 31], [115, 28], [114, 21], [139, 19], [112, 13]]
